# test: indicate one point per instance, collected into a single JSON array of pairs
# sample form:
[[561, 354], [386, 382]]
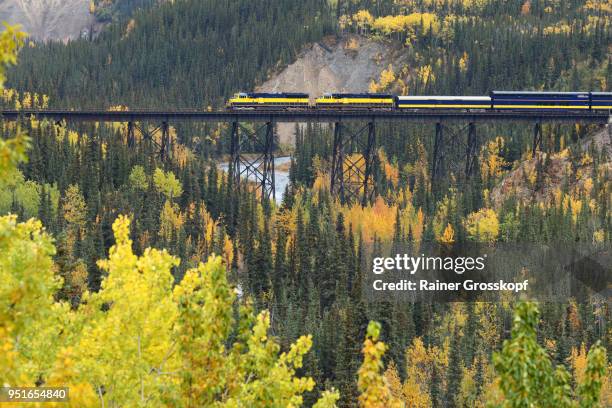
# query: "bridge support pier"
[[471, 151], [165, 147], [259, 166], [445, 139], [354, 163], [438, 152], [131, 139], [537, 138]]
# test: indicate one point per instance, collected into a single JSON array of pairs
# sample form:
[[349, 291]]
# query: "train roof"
[[601, 93], [359, 95], [535, 93], [277, 94], [444, 98]]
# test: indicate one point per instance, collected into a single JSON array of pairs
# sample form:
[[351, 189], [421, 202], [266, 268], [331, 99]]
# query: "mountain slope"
[[48, 19], [191, 53]]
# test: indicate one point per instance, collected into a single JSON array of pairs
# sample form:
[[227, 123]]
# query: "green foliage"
[[27, 286], [458, 47], [107, 10], [589, 390], [25, 196], [138, 178], [303, 261], [167, 184], [527, 376], [28, 197]]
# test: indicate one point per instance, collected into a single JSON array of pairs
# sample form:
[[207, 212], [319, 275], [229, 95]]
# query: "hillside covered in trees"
[[173, 55], [265, 307], [183, 54]]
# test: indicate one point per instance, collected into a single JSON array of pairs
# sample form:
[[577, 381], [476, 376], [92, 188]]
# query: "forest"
[[138, 281]]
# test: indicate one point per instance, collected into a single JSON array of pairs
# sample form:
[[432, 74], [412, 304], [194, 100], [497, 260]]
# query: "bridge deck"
[[309, 116]]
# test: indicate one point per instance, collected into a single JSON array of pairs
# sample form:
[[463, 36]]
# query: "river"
[[281, 177]]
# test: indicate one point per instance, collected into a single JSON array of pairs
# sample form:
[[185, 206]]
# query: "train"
[[497, 100]]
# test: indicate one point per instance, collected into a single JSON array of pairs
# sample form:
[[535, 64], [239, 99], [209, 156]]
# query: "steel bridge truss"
[[353, 163], [449, 140], [354, 152], [164, 145], [258, 167]]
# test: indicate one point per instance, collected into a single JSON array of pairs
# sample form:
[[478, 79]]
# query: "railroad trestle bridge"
[[351, 176]]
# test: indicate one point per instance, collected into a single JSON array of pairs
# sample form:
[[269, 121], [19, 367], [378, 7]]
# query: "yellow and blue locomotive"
[[355, 101], [268, 100]]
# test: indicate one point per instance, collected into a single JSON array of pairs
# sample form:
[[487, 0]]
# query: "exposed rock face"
[[334, 65], [48, 19], [557, 171], [347, 65]]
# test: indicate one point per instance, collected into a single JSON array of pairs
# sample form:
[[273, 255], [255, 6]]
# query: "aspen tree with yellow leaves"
[[138, 341], [12, 151], [483, 225], [364, 20], [375, 391]]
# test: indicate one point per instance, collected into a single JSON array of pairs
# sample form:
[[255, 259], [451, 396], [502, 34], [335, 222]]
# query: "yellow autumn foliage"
[[390, 170], [375, 220], [373, 386], [483, 225], [448, 237], [463, 62], [387, 76], [421, 362], [363, 19], [378, 220], [171, 221], [491, 162], [140, 340], [407, 23]]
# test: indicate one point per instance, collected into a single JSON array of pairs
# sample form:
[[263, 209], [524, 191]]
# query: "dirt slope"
[[48, 19]]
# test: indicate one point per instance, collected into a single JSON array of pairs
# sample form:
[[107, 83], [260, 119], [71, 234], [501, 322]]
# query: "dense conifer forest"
[[250, 303]]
